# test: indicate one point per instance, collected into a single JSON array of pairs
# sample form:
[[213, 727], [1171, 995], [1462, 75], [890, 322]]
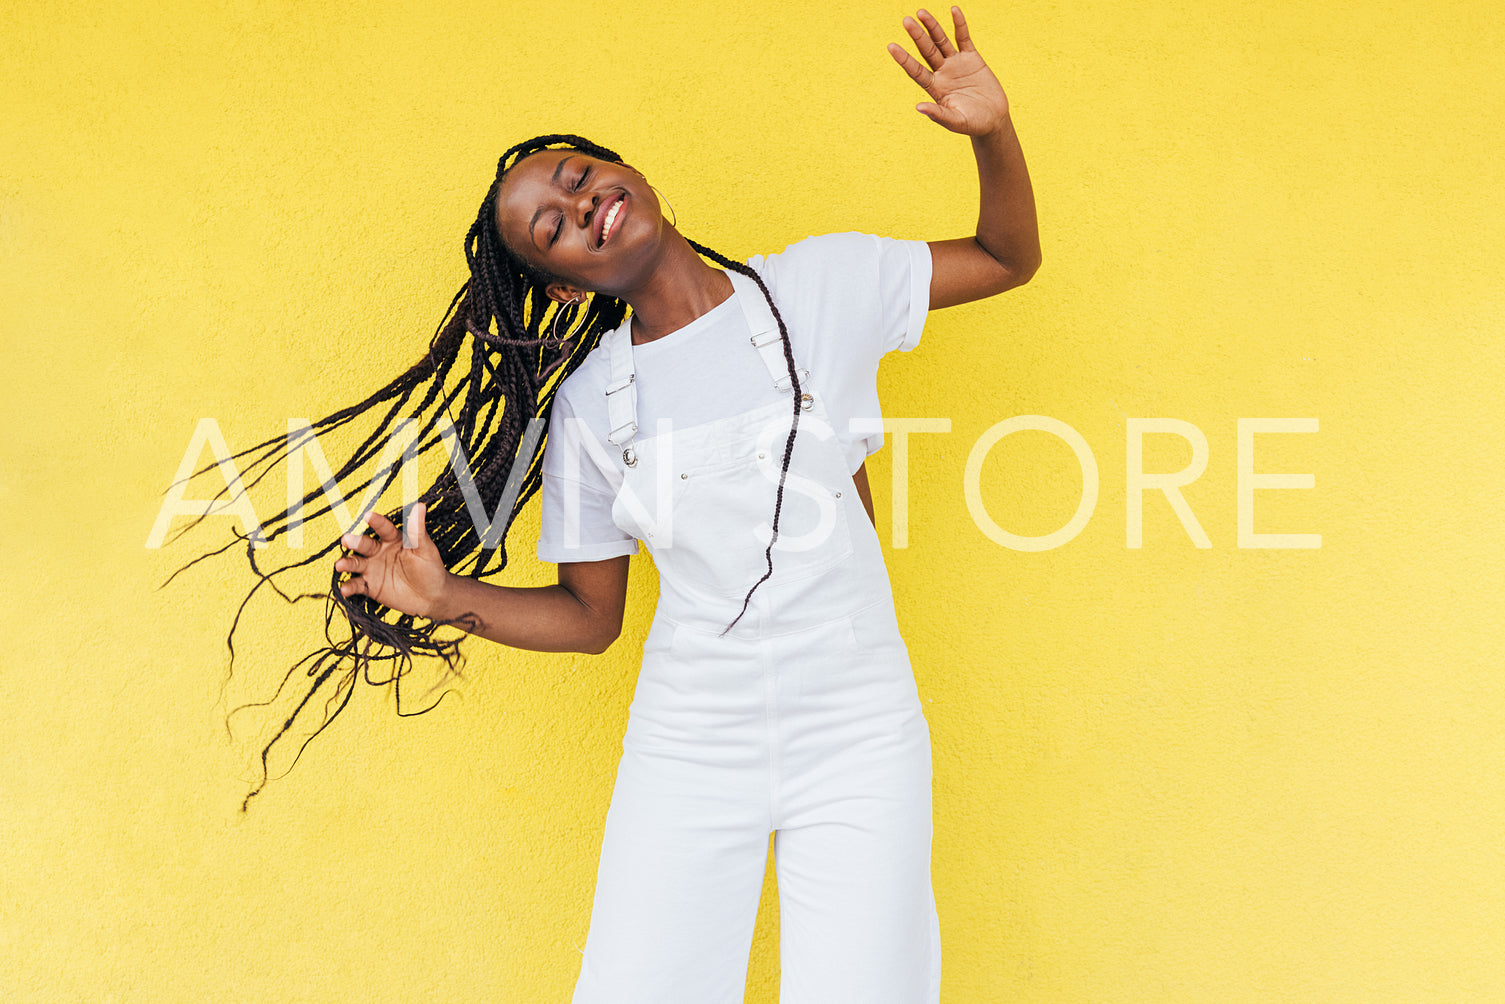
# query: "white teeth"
[[611, 218]]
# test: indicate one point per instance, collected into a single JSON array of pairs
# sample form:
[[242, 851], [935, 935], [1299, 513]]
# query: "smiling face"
[[592, 223]]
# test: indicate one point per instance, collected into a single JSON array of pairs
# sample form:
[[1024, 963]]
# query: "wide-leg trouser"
[[814, 736]]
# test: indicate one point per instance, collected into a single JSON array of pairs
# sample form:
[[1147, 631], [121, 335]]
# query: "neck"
[[680, 288]]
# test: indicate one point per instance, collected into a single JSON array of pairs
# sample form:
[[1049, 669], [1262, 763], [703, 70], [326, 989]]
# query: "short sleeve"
[[880, 283], [576, 499], [914, 304], [851, 299]]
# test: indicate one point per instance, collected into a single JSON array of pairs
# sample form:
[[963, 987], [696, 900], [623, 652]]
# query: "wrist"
[[442, 605], [1000, 135]]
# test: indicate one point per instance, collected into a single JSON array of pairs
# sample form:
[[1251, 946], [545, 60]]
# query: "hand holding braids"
[[511, 377]]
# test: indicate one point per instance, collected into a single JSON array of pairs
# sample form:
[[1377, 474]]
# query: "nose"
[[584, 208]]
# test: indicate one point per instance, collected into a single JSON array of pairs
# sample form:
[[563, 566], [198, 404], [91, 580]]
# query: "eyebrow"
[[553, 181]]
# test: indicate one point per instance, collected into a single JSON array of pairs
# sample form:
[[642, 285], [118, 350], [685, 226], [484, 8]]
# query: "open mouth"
[[608, 215]]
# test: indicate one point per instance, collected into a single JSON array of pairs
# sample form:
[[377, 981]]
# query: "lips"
[[608, 217]]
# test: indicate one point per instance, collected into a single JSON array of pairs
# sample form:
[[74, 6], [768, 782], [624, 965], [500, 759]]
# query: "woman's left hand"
[[966, 97]]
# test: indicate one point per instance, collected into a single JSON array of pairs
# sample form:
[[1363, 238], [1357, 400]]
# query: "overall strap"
[[621, 394], [765, 334]]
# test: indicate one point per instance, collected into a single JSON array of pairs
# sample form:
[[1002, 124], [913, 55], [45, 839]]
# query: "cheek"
[[523, 250], [510, 227]]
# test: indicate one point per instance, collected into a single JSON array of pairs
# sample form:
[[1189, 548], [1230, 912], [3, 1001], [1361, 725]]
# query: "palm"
[[396, 578], [406, 579], [965, 95]]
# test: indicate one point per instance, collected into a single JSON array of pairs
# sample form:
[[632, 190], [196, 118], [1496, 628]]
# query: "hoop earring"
[[554, 323], [673, 216]]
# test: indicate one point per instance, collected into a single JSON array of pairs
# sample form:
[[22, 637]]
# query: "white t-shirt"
[[846, 299]]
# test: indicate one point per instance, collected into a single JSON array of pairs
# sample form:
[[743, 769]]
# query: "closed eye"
[[579, 183]]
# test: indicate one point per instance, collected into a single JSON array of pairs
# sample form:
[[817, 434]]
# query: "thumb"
[[415, 533], [940, 116]]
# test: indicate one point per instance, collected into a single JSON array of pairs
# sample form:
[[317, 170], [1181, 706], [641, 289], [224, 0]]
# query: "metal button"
[[683, 476], [838, 494]]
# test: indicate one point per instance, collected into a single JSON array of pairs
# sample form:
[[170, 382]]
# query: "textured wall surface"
[[1164, 773]]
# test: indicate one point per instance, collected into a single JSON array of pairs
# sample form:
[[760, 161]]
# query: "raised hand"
[[410, 580], [965, 96]]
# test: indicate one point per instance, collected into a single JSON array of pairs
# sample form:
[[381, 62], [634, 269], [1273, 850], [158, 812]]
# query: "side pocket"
[[889, 679], [660, 639], [650, 718], [877, 632]]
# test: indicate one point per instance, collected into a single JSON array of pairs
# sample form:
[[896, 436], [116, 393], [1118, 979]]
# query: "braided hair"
[[501, 313]]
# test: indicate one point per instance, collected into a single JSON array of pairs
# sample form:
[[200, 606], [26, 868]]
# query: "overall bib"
[[803, 720]]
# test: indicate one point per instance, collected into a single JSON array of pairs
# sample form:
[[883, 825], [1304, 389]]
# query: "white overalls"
[[802, 719]]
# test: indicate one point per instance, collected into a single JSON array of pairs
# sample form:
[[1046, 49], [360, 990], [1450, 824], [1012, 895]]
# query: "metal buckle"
[[758, 345], [612, 388], [782, 383]]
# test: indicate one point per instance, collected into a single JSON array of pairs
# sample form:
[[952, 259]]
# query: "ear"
[[561, 292]]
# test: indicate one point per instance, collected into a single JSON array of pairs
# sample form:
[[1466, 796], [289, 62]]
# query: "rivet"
[[683, 476], [838, 494]]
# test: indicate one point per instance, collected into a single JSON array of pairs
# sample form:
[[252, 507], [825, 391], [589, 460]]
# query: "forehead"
[[537, 167], [533, 171]]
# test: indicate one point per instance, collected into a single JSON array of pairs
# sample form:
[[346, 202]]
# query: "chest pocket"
[[720, 486]]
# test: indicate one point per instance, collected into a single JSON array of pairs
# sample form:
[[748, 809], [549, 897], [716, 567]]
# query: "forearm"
[[1006, 224], [538, 618]]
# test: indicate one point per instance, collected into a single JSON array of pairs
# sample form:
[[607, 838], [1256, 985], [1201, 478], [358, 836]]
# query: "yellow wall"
[[1161, 774]]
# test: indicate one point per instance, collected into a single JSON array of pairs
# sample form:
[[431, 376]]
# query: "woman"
[[714, 425]]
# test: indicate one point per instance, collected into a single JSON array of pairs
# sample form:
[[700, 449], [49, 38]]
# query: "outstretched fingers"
[[936, 37], [963, 36], [925, 41], [934, 47], [912, 66]]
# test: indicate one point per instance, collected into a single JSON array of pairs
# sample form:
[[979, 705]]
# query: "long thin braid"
[[794, 425]]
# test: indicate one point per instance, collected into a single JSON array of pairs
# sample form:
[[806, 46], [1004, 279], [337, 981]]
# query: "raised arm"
[[582, 613], [966, 98]]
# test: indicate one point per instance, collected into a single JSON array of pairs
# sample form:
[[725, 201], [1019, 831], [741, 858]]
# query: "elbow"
[[1020, 269], [1013, 263], [1027, 272], [597, 647], [600, 640]]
